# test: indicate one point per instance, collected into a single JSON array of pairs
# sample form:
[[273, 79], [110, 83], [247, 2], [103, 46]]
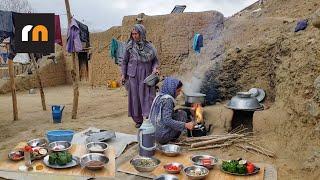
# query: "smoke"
[[199, 71]]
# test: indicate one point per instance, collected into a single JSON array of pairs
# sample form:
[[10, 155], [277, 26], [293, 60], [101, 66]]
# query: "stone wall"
[[171, 34], [52, 74]]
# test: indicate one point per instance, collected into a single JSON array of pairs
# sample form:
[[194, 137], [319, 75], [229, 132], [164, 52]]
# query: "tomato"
[[250, 167], [173, 168], [28, 148]]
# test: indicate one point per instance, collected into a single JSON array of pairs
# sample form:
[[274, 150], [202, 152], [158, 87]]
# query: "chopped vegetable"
[[146, 163], [60, 158], [173, 168], [241, 169], [250, 168], [238, 166]]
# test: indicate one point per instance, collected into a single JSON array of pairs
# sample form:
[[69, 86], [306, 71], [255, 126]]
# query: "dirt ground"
[[107, 109]]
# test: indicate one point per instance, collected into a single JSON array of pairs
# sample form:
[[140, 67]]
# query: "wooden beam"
[[74, 72], [13, 89], [43, 99]]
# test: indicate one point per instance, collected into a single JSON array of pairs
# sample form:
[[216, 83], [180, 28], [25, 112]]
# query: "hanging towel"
[[84, 33], [73, 37], [117, 50], [197, 42], [113, 49], [57, 30], [6, 25]]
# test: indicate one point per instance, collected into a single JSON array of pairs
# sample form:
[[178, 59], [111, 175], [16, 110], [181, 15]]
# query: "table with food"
[[55, 155]]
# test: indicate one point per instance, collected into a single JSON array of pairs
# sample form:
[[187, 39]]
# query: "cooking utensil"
[[152, 80], [135, 162], [204, 171], [170, 150], [96, 147], [59, 146], [74, 162], [191, 98], [168, 170], [94, 161], [257, 93], [204, 160], [40, 142], [166, 177], [244, 101]]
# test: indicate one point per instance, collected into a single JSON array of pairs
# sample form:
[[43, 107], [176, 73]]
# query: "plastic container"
[[60, 135]]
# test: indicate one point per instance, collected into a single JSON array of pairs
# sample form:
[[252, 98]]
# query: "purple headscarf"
[[168, 90], [143, 49]]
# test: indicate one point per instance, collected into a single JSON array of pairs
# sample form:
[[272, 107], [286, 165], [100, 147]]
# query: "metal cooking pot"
[[244, 101], [152, 80], [191, 98]]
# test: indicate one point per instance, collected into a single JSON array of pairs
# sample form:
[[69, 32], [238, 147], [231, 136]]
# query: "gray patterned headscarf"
[[143, 49]]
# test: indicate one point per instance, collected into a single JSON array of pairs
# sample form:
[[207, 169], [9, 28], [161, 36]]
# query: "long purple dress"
[[140, 95]]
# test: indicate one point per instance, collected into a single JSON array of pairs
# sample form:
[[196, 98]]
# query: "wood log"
[[212, 141], [250, 148], [211, 147], [13, 89], [43, 100]]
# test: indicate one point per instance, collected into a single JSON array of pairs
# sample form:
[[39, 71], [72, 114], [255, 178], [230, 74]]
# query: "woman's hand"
[[123, 79], [189, 125], [156, 71]]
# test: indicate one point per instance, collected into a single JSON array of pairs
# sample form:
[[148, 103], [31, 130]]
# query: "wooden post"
[[43, 99], [13, 89], [74, 72]]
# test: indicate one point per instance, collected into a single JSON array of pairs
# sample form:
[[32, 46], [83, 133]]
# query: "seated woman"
[[168, 123]]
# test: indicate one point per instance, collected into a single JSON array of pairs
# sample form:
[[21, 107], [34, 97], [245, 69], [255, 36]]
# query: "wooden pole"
[[43, 99], [74, 72], [13, 89]]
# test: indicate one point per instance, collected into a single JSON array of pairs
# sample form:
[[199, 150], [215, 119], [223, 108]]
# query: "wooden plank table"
[[76, 150], [184, 158]]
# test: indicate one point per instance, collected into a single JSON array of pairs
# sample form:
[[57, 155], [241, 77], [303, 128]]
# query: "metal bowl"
[[199, 160], [96, 147], [152, 80], [203, 170], [135, 162], [166, 177], [94, 161], [170, 150], [59, 146], [179, 165], [12, 153], [40, 142], [244, 101]]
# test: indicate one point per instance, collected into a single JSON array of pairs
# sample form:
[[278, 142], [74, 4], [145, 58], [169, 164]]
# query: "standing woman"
[[140, 60]]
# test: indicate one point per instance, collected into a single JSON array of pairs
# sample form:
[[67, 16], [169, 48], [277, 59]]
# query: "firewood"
[[210, 147], [250, 148], [212, 141]]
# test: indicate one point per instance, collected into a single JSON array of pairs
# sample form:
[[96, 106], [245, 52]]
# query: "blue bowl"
[[60, 135]]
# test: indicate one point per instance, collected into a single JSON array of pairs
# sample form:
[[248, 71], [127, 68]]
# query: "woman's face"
[[135, 35], [178, 91]]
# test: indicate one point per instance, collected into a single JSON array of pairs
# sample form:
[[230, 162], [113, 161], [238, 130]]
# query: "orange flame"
[[197, 108]]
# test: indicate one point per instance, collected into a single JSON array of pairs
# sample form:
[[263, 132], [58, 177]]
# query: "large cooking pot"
[[244, 101], [191, 98], [199, 130]]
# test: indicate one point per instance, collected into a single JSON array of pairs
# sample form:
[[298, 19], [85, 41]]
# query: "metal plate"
[[256, 170], [101, 136], [74, 162]]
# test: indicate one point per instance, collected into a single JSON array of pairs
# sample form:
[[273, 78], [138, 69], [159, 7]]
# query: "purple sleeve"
[[167, 113], [155, 63], [124, 65]]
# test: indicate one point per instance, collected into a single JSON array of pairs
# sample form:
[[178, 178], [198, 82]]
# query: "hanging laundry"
[[57, 30], [301, 25], [117, 50], [197, 42], [83, 58], [84, 33], [73, 37], [6, 25]]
